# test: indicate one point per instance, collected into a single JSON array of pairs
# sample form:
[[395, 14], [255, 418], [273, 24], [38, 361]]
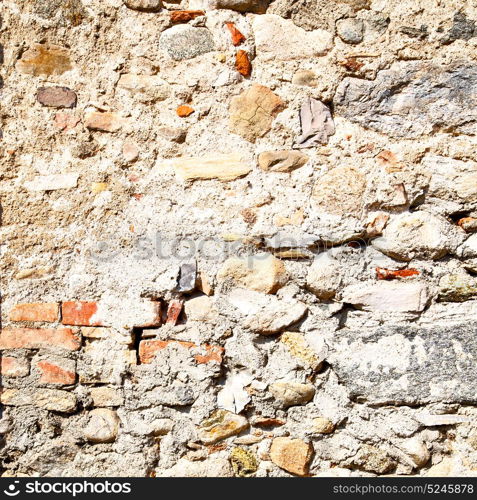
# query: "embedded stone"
[[56, 97], [44, 60], [145, 5], [221, 425], [281, 161], [186, 42], [292, 393], [224, 167], [292, 455], [102, 427]]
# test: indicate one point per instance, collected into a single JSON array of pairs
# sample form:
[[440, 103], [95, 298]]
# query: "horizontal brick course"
[[39, 338], [53, 373], [14, 367], [79, 314], [149, 348], [47, 312]]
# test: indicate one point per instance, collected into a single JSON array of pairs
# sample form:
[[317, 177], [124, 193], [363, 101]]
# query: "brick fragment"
[[237, 37], [14, 367], [243, 64], [389, 274], [79, 313], [39, 338], [184, 111], [149, 348], [54, 373], [174, 311], [47, 312], [184, 16]]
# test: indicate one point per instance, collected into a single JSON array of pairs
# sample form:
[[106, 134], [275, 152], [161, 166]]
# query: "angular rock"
[[387, 296], [322, 425], [301, 350], [237, 37], [372, 459], [255, 6], [417, 235], [102, 427], [457, 288], [221, 425], [262, 273], [266, 314], [52, 182], [280, 39], [281, 161], [324, 276], [187, 277], [292, 455], [339, 191], [106, 396], [200, 309], [224, 167], [407, 364], [242, 63], [104, 122], [429, 420], [252, 112], [44, 60], [350, 30], [184, 16], [244, 462], [56, 97], [292, 393], [186, 42], [412, 99], [55, 400], [144, 5], [316, 124]]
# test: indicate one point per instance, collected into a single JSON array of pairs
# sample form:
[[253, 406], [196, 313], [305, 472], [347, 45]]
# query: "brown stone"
[[292, 455], [243, 64], [44, 60], [56, 97], [184, 111], [281, 161], [184, 16], [104, 122], [221, 425], [237, 37], [252, 112]]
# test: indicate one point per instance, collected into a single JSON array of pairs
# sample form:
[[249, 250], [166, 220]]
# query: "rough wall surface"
[[239, 238]]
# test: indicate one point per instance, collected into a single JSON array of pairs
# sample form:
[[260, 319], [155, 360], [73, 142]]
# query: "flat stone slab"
[[405, 364], [412, 99]]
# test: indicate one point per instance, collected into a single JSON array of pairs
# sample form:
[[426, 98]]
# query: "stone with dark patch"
[[56, 97], [413, 99]]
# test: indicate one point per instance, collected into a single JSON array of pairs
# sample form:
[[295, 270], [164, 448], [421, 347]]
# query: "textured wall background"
[[239, 238]]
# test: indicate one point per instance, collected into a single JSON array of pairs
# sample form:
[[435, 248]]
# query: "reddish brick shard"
[[243, 64], [39, 338], [184, 111], [79, 314], [388, 274], [14, 367], [52, 373], [149, 348], [173, 312], [35, 312], [237, 37], [184, 16]]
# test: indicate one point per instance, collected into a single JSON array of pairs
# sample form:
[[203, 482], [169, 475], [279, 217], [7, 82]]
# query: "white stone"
[[387, 296], [280, 39], [324, 276], [224, 167], [52, 182]]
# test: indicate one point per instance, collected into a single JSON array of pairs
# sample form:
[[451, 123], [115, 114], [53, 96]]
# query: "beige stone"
[[417, 450], [262, 273], [305, 77], [55, 400], [200, 309], [300, 349], [221, 425], [322, 425], [106, 396], [387, 296], [292, 393], [102, 427], [146, 5], [52, 182], [252, 112], [324, 276], [281, 161], [42, 59], [372, 459], [104, 122], [150, 87], [224, 167], [292, 455], [340, 192]]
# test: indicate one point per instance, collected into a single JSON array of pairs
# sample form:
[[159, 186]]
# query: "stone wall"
[[238, 238]]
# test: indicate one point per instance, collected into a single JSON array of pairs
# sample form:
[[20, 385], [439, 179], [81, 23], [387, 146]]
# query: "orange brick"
[[52, 373], [35, 312], [184, 111], [174, 311], [183, 16], [237, 37], [79, 313], [242, 63], [149, 348], [13, 367], [39, 338]]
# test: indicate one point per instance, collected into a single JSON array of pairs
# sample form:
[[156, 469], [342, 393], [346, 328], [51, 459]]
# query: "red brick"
[[174, 311], [52, 373], [184, 111], [183, 16], [39, 338], [149, 348], [389, 274], [242, 63], [14, 367], [237, 37], [35, 312], [79, 313]]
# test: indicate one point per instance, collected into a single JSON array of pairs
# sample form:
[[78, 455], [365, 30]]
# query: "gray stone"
[[316, 124], [145, 5], [407, 364], [102, 427], [187, 277], [56, 97], [255, 6], [185, 42], [413, 99], [462, 28], [350, 30]]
